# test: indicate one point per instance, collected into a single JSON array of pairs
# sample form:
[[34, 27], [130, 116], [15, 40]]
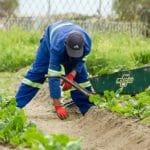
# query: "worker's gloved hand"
[[61, 112], [66, 86]]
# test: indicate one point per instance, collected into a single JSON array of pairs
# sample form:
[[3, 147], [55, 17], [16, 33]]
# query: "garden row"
[[16, 131]]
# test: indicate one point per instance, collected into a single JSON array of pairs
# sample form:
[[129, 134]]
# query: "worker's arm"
[[54, 70], [54, 85]]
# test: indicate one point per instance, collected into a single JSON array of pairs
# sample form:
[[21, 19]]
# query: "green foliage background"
[[110, 51], [117, 51], [17, 48]]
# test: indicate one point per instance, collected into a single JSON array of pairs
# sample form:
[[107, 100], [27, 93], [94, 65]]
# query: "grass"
[[9, 82], [110, 51], [113, 52], [17, 48]]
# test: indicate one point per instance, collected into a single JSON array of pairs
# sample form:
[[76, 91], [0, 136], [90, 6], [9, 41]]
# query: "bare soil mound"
[[98, 129]]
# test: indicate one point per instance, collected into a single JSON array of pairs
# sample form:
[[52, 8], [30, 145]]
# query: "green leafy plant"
[[125, 105], [15, 130]]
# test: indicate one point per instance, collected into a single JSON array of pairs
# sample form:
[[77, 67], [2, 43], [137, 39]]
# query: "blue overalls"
[[50, 58]]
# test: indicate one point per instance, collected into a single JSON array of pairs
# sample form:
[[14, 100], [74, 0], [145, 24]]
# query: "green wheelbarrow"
[[131, 81]]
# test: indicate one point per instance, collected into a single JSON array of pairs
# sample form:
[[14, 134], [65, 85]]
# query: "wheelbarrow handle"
[[73, 83]]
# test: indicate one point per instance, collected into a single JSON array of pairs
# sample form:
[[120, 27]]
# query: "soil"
[[98, 129]]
